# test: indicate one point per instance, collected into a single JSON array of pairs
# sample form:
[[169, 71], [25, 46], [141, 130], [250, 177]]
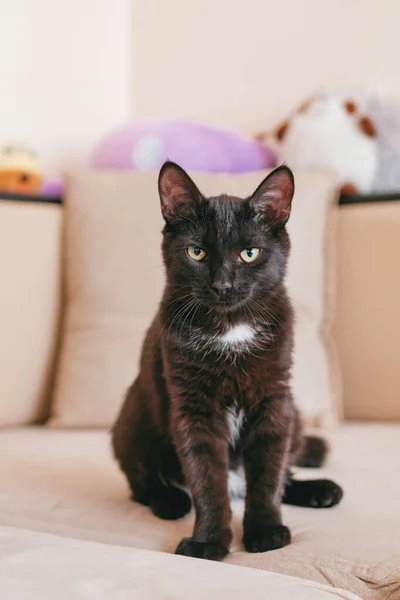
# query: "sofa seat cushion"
[[66, 482], [85, 570]]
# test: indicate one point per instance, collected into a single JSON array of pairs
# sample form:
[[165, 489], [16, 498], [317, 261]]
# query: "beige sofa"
[[67, 526]]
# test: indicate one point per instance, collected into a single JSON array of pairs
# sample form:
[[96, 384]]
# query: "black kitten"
[[213, 387]]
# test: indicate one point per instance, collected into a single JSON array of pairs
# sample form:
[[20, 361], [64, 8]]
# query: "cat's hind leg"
[[169, 498], [154, 488], [313, 452], [148, 459], [317, 493], [309, 452]]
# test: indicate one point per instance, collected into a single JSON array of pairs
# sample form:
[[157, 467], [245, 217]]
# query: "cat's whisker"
[[268, 314], [181, 311], [178, 299], [188, 313], [193, 316]]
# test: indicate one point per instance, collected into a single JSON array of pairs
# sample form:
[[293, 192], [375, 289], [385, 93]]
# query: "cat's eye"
[[196, 253], [250, 254]]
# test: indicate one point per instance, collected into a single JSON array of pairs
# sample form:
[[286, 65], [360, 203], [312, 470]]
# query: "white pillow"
[[114, 281]]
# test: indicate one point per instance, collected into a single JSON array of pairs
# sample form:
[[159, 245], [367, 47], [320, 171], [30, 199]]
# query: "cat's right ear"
[[178, 193], [272, 200]]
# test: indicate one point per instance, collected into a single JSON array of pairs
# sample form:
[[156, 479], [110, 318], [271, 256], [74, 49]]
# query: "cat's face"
[[225, 252]]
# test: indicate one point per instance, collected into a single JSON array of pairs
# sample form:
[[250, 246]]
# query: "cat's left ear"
[[272, 200], [179, 195]]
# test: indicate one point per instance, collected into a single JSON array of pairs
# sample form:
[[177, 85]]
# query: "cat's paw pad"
[[207, 550], [264, 538], [324, 493], [170, 503]]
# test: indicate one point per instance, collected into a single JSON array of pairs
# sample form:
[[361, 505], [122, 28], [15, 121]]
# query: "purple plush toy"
[[52, 188], [146, 146]]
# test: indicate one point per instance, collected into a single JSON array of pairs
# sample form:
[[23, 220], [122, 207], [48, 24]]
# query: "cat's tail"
[[313, 452]]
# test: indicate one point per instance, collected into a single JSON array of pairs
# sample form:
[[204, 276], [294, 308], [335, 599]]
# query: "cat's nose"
[[221, 288]]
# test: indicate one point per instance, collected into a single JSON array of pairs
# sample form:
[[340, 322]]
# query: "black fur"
[[173, 428]]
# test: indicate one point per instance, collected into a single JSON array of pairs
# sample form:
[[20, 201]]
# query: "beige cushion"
[[66, 483], [87, 571], [367, 326], [114, 281], [30, 244]]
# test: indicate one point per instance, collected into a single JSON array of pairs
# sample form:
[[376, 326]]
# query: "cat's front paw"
[[207, 550], [267, 537]]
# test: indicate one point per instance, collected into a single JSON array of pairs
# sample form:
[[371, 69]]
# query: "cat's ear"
[[178, 193], [272, 200]]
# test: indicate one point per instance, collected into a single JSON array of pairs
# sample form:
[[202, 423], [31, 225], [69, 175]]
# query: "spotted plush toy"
[[328, 131]]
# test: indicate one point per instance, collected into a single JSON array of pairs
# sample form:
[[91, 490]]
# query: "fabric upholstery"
[[66, 482], [86, 571], [30, 284], [367, 329]]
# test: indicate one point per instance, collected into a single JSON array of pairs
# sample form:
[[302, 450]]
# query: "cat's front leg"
[[200, 436], [266, 444]]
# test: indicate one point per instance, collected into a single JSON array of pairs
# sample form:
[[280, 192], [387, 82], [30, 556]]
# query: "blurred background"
[[95, 96], [72, 70], [225, 89]]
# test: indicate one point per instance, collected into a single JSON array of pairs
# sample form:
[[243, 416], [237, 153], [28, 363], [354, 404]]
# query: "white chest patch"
[[237, 484], [236, 340], [237, 335], [235, 423]]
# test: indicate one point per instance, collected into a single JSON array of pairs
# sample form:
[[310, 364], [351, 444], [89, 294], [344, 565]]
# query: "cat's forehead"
[[226, 204], [222, 221], [225, 212]]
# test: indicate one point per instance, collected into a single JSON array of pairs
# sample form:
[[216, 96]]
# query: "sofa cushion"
[[114, 281], [84, 571], [367, 328], [30, 284], [65, 482]]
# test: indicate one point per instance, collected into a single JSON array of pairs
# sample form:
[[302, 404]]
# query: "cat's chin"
[[225, 307], [228, 305]]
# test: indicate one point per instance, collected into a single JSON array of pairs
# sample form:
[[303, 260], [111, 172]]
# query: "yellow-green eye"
[[196, 253], [250, 254]]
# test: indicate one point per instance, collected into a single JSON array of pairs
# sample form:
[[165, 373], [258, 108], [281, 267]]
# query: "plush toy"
[[52, 188], [20, 170], [196, 147], [386, 114], [328, 131]]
